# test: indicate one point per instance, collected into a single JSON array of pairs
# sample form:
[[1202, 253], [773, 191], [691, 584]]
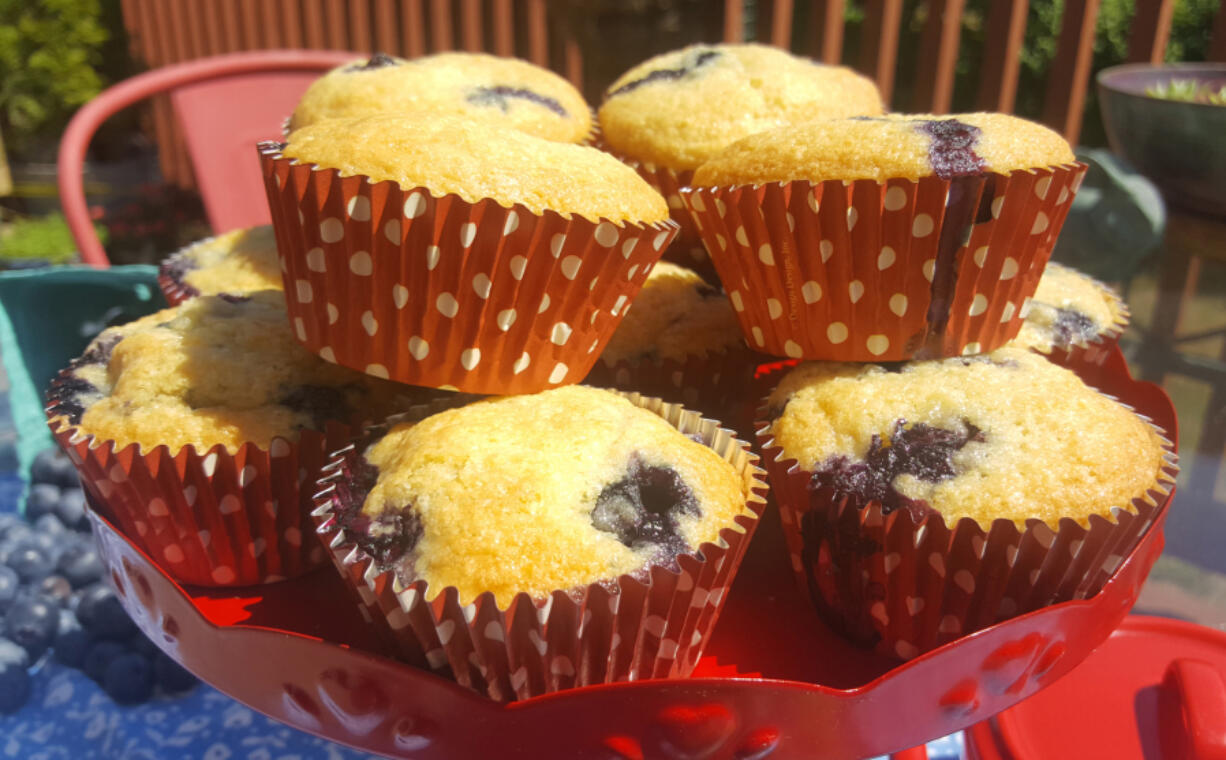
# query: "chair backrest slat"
[[734, 21], [538, 33], [1002, 55], [1151, 28], [441, 33], [879, 43], [504, 28], [781, 24], [470, 25], [335, 24], [413, 28], [360, 39], [270, 26], [938, 56], [291, 22], [827, 26], [387, 35], [1069, 76], [313, 24]]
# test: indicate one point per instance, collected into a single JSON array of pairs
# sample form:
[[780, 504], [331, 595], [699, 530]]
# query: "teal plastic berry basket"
[[47, 317]]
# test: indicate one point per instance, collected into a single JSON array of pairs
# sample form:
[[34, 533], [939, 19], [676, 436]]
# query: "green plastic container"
[[47, 317]]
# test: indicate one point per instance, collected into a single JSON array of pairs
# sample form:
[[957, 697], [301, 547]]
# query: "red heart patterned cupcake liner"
[[213, 517], [440, 292], [650, 624], [904, 586], [883, 271]]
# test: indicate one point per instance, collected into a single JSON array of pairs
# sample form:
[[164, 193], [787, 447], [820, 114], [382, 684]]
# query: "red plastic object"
[[773, 682], [225, 103], [1156, 690]]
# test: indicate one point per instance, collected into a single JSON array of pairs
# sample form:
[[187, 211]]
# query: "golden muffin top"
[[883, 147], [544, 492], [1068, 308], [681, 108], [237, 262], [214, 370], [1006, 435], [476, 160], [506, 91], [676, 314]]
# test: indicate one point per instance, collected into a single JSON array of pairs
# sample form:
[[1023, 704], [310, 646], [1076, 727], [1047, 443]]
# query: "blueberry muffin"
[[237, 262], [679, 109], [928, 500], [214, 370], [1070, 309], [477, 160], [474, 86], [1005, 435], [675, 316], [889, 146], [538, 493]]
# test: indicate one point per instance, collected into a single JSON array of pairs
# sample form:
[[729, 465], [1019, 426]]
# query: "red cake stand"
[[774, 680]]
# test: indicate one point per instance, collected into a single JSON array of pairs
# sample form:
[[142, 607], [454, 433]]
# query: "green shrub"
[[49, 50]]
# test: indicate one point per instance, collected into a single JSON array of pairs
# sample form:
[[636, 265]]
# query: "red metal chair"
[[224, 104]]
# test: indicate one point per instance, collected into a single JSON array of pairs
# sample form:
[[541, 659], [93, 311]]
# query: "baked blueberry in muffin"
[[506, 91], [238, 262], [537, 493], [1070, 309]]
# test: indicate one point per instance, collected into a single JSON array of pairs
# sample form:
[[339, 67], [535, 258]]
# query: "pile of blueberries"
[[55, 604]]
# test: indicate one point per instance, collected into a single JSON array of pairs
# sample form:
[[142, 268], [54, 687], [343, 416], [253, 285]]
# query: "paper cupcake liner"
[[716, 383], [439, 292], [651, 624], [850, 271], [209, 518], [905, 586]]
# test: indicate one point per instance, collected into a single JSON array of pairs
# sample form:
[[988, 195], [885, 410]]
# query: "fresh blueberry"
[[10, 584], [56, 587], [101, 613], [80, 565], [42, 500], [14, 676], [71, 509], [8, 521], [143, 644], [71, 641], [98, 658], [129, 678], [30, 564], [52, 466], [50, 525], [172, 677], [31, 622], [70, 647]]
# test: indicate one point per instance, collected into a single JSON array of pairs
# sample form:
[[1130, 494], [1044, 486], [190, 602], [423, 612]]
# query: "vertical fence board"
[[1070, 71], [879, 43], [1002, 55], [938, 56]]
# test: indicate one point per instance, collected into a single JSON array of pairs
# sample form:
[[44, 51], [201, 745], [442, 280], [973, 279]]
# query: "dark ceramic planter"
[[1180, 146]]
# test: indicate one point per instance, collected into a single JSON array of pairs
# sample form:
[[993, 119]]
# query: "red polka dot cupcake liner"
[[651, 624], [903, 586], [883, 271], [715, 384], [439, 292], [215, 517]]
